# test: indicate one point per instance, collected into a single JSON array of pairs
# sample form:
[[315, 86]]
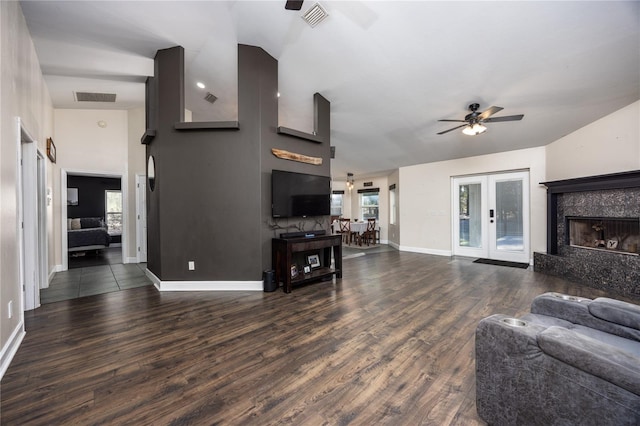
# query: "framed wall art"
[[51, 150]]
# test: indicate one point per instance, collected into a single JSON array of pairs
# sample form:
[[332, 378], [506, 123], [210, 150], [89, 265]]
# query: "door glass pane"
[[509, 235], [470, 223]]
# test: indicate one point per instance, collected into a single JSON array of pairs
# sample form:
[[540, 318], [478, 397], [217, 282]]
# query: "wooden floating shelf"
[[204, 125], [300, 135], [148, 136]]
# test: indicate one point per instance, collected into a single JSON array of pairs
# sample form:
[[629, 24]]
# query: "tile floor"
[[95, 279]]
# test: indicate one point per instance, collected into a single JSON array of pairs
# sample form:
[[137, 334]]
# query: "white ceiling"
[[390, 69]]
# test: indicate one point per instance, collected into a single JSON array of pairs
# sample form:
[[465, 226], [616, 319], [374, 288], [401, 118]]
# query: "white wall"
[[425, 197], [609, 145], [23, 94]]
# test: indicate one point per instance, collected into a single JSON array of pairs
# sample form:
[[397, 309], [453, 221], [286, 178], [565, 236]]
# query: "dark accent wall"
[[91, 198], [212, 197]]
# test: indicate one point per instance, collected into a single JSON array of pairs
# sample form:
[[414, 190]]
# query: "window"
[[113, 213], [393, 212], [336, 203], [369, 205]]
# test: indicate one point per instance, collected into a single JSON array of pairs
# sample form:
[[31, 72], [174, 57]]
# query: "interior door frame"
[[141, 211], [31, 218], [63, 210], [488, 239]]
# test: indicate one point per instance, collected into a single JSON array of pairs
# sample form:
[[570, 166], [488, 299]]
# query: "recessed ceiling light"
[[278, 94], [200, 85]]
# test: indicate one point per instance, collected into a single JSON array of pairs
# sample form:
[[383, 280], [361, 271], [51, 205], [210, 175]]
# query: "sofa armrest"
[[592, 356]]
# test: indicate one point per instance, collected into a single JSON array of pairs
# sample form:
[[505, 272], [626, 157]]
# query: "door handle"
[[491, 214]]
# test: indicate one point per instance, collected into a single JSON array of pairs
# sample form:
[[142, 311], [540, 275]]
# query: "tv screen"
[[299, 194]]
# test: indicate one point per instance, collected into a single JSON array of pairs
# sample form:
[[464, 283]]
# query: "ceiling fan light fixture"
[[475, 129]]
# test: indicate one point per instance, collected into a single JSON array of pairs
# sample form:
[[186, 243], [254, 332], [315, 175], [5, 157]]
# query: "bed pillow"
[[69, 223], [75, 224], [91, 222]]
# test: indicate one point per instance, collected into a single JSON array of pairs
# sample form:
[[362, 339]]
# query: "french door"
[[491, 216]]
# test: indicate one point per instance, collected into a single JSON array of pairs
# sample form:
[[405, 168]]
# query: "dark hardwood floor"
[[391, 343]]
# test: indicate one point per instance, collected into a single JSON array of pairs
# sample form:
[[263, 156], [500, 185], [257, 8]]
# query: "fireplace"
[[618, 235], [593, 232]]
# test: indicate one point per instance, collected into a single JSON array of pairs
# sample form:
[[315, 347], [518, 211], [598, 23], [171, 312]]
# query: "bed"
[[87, 233]]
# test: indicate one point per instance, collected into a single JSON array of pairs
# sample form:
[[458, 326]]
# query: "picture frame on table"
[[294, 271], [307, 269], [314, 260]]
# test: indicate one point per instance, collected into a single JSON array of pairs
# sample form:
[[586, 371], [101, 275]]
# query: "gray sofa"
[[571, 361]]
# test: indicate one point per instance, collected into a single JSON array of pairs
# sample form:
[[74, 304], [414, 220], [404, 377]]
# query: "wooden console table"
[[283, 250]]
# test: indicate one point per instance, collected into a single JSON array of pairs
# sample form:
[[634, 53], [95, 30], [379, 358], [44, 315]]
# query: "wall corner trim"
[[204, 285], [9, 350]]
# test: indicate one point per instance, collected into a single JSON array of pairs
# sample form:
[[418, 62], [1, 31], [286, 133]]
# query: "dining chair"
[[345, 229], [334, 218], [370, 233]]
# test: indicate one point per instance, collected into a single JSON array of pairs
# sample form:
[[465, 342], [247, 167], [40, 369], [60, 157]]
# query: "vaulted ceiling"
[[390, 69]]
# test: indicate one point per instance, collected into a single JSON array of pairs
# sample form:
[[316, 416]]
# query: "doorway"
[[66, 175], [491, 216], [32, 213]]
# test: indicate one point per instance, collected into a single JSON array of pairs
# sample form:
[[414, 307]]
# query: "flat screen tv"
[[299, 194]]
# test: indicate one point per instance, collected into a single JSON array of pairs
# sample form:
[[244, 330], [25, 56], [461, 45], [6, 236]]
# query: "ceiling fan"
[[473, 122], [293, 4]]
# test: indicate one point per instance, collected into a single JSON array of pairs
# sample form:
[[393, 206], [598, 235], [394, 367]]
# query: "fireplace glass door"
[[491, 216]]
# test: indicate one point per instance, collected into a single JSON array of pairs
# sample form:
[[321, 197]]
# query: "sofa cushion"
[[75, 224], [607, 362], [91, 222], [616, 311]]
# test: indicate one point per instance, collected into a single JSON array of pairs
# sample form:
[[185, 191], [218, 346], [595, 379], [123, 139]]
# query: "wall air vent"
[[94, 97], [315, 15], [211, 98]]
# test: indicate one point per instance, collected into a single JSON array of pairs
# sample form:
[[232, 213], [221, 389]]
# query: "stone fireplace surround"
[[605, 196]]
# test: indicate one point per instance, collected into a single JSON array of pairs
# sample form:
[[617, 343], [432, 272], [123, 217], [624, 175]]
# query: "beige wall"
[[115, 150], [425, 198], [608, 145], [23, 94]]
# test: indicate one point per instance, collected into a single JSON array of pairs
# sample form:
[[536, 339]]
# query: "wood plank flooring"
[[392, 343]]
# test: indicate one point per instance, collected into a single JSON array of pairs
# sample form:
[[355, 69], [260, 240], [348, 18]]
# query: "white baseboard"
[[130, 260], [203, 285], [394, 245], [11, 347], [426, 251]]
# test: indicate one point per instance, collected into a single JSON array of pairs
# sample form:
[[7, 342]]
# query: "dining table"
[[356, 227]]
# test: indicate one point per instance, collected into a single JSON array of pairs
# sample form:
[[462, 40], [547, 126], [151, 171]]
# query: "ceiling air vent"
[[211, 98], [315, 15], [94, 97]]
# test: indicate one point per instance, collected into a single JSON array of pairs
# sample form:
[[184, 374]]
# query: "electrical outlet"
[[10, 309], [192, 265]]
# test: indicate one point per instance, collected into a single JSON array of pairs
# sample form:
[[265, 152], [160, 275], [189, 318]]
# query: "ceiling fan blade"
[[293, 4], [455, 121], [505, 118], [457, 127], [488, 113]]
